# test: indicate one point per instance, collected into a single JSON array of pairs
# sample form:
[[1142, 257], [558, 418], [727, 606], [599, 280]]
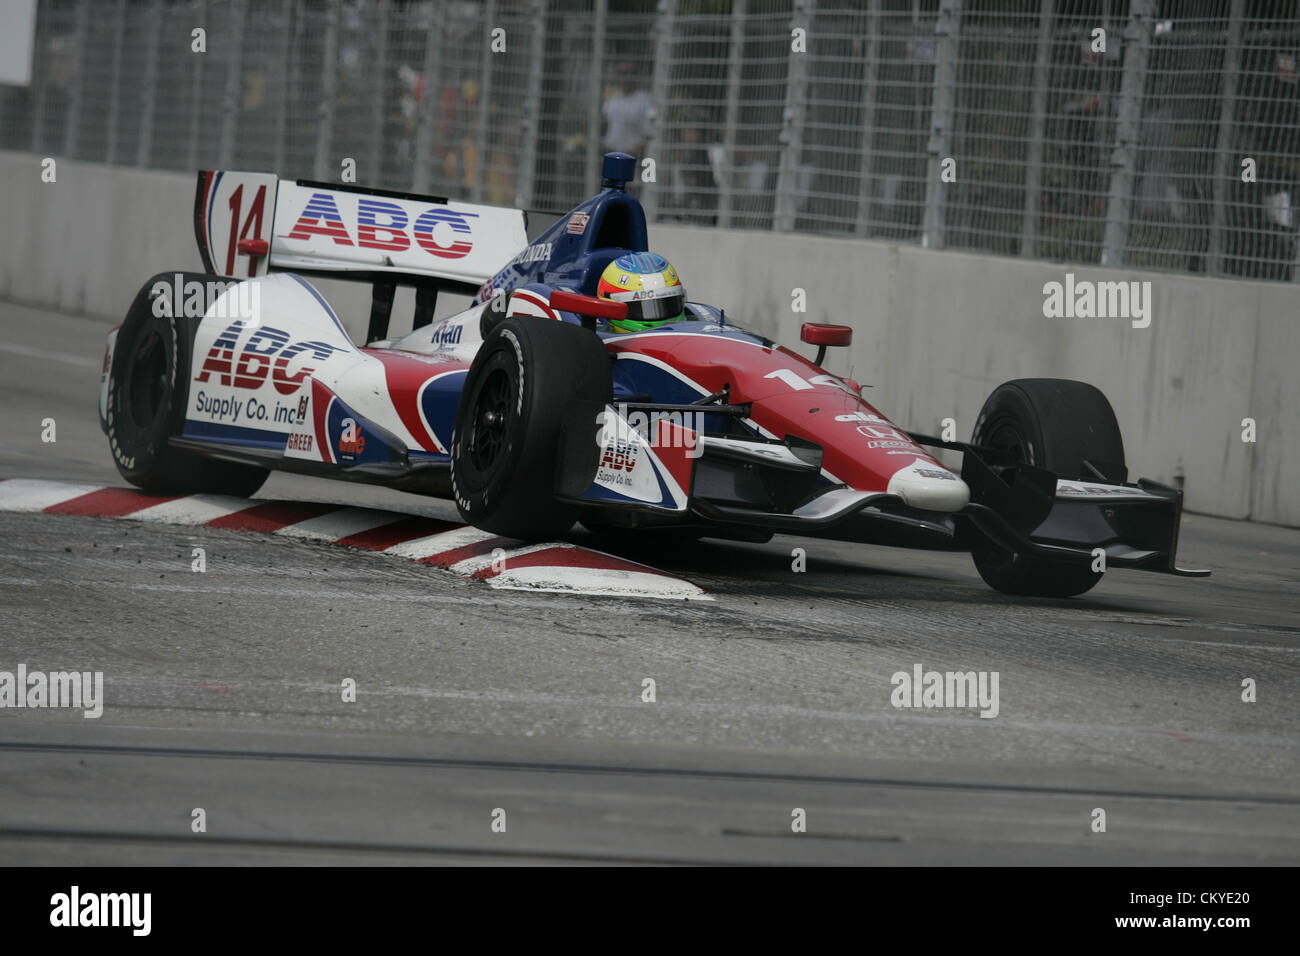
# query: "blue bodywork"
[[575, 251]]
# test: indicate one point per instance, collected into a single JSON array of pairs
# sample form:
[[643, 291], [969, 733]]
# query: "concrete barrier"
[[935, 332], [87, 241]]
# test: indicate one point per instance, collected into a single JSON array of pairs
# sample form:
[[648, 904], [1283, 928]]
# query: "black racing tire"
[[1054, 424], [148, 391], [491, 316], [507, 439]]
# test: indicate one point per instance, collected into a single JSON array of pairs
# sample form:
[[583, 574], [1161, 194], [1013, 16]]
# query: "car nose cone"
[[929, 487]]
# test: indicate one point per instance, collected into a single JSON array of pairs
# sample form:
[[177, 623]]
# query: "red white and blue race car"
[[536, 407]]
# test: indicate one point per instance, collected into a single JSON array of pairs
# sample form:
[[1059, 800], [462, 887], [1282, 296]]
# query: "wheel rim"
[[491, 421], [1004, 435], [147, 386]]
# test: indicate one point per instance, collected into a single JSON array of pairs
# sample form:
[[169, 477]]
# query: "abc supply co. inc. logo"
[[439, 231]]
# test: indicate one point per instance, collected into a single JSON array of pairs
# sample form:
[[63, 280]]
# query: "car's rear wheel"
[[148, 389], [1057, 425], [507, 443]]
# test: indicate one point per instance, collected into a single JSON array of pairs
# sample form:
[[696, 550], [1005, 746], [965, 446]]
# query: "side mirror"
[[588, 306], [823, 335]]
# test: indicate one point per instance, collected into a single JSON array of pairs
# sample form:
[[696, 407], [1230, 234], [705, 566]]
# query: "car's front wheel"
[[1057, 425], [507, 442]]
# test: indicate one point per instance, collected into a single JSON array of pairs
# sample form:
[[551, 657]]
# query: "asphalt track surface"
[[222, 693]]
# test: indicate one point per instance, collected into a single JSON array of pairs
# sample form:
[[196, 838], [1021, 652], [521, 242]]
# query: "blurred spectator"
[[627, 111], [454, 148], [501, 178], [694, 183], [411, 85], [1261, 239], [752, 180]]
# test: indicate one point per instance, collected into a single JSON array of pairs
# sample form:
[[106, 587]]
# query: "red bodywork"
[[790, 396]]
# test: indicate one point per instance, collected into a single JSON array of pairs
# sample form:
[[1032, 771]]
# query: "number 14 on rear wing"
[[248, 224]]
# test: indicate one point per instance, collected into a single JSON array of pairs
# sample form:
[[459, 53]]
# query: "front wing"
[[667, 474]]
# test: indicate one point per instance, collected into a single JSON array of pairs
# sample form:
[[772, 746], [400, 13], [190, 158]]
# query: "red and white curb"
[[464, 550]]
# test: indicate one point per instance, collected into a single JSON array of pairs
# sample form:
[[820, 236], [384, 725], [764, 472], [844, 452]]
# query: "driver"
[[649, 285]]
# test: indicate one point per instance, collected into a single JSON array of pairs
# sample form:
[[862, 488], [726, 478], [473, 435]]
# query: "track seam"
[[453, 763]]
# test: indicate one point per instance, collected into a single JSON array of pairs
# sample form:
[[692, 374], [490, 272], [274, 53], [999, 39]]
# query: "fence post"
[[1225, 170], [870, 78], [1037, 130], [947, 30], [591, 155], [153, 30], [526, 175], [234, 85], [428, 106], [115, 83], [735, 66], [375, 161], [792, 121], [481, 165], [1128, 127], [1295, 263], [72, 122], [290, 74], [40, 78], [196, 95], [327, 102], [664, 27]]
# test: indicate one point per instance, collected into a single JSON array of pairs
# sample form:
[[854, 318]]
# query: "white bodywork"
[[319, 228]]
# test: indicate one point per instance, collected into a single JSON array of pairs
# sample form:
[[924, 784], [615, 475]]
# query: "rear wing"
[[248, 224]]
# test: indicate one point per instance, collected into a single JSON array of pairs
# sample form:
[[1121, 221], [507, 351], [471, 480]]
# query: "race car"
[[555, 397]]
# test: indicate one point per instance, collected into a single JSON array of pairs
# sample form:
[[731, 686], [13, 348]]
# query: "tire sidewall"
[[135, 449], [1064, 421], [1047, 443], [1008, 405], [476, 492]]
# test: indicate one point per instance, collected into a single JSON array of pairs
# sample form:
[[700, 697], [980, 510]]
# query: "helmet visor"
[[668, 304]]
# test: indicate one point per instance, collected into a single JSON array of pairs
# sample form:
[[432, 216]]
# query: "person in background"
[[627, 110], [694, 183]]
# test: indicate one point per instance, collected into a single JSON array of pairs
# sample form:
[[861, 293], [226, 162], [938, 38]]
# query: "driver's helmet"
[[650, 287]]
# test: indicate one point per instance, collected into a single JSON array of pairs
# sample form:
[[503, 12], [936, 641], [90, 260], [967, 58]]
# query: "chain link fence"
[[1158, 134]]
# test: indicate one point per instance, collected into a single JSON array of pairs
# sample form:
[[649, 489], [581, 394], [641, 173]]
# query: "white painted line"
[[34, 494], [193, 509], [64, 357], [470, 566], [338, 524], [598, 581], [440, 543]]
